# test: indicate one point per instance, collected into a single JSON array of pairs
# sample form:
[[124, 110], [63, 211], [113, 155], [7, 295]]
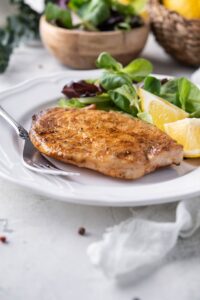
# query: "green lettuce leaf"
[[95, 11], [126, 99], [138, 69], [65, 103], [179, 91], [112, 80], [106, 61], [54, 12], [152, 85]]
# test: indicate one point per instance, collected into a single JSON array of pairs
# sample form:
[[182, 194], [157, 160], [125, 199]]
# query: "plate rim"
[[73, 199]]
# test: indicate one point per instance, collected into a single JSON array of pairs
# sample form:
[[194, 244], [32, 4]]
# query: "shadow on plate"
[[160, 175]]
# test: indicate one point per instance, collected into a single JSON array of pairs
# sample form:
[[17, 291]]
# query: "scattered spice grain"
[[81, 231], [3, 239]]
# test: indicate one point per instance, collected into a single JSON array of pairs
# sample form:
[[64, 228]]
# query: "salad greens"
[[115, 75], [138, 69], [180, 92], [106, 61], [102, 102], [116, 89], [71, 103], [55, 12], [95, 15], [125, 98], [152, 85], [94, 11], [111, 80]]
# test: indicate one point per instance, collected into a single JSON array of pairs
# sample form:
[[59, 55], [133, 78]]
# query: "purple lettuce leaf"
[[81, 89]]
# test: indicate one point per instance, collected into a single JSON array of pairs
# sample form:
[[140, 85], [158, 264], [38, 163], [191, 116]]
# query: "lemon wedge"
[[190, 9], [187, 133], [161, 111]]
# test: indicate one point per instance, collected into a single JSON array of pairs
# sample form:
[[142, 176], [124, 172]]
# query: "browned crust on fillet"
[[109, 142]]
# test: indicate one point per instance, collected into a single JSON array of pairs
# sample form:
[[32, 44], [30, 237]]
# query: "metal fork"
[[32, 158]]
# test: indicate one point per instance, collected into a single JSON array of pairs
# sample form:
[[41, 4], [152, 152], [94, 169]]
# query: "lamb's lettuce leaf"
[[189, 95], [55, 13], [94, 11], [152, 85], [169, 92], [106, 61], [65, 103], [124, 9], [180, 92], [125, 98], [103, 102], [95, 100], [138, 69], [111, 80]]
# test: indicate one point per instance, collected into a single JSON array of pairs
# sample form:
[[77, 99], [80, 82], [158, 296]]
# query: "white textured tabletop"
[[45, 258]]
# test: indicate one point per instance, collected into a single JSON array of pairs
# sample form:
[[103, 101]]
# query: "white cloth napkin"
[[135, 246]]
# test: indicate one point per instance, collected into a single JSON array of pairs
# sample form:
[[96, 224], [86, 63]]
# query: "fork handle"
[[18, 128]]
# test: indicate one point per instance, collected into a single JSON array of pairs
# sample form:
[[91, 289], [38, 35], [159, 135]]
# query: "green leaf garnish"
[[94, 11], [55, 13], [152, 85], [106, 61], [65, 103], [138, 69], [111, 80], [125, 98]]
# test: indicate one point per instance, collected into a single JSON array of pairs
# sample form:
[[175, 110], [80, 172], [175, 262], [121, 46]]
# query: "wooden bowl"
[[80, 49]]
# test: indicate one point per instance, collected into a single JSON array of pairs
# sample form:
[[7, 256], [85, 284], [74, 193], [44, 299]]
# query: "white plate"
[[167, 184]]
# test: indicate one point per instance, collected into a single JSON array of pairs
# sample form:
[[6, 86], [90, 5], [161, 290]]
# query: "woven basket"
[[178, 36]]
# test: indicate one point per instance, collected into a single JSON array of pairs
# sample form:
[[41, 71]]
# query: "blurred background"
[[173, 44], [5, 9]]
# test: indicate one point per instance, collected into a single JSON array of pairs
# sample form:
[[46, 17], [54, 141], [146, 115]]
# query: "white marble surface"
[[46, 259]]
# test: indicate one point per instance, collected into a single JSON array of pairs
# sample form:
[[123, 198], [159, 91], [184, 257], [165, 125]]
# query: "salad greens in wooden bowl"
[[97, 15], [80, 30]]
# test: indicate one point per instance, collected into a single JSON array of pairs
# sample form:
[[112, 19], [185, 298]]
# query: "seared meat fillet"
[[109, 142]]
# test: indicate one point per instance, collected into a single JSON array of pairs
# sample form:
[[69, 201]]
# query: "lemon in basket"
[[187, 133], [161, 111], [190, 9]]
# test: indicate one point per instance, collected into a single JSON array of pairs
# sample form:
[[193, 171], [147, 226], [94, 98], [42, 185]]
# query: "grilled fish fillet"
[[109, 142]]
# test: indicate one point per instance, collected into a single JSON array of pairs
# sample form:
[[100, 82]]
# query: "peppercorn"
[[3, 239], [81, 231]]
